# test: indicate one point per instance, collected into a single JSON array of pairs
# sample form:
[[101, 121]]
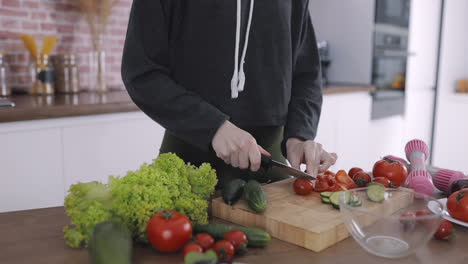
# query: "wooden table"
[[35, 236]]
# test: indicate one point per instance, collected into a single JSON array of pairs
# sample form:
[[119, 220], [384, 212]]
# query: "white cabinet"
[[40, 159], [30, 169], [451, 139], [344, 129], [94, 151]]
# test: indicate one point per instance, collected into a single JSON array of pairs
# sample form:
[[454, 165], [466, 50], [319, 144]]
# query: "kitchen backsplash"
[[60, 18]]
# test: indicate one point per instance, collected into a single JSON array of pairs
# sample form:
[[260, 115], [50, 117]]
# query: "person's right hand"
[[237, 147]]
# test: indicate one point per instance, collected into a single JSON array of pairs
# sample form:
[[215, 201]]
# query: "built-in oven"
[[390, 54], [393, 12]]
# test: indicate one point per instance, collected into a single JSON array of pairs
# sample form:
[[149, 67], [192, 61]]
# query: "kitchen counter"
[[66, 105], [35, 236], [87, 103]]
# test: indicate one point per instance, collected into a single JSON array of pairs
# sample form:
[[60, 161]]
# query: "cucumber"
[[335, 199], [256, 237], [326, 200], [110, 243], [325, 194], [376, 192], [232, 191], [255, 196]]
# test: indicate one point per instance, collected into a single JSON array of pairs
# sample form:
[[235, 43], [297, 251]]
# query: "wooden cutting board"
[[301, 220]]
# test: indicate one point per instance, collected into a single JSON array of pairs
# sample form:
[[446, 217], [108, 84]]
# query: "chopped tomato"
[[343, 177], [321, 185], [339, 187]]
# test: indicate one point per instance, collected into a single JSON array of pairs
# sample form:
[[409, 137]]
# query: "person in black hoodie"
[[229, 80]]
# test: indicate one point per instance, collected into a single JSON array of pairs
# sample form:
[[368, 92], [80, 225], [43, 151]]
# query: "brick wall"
[[60, 18]]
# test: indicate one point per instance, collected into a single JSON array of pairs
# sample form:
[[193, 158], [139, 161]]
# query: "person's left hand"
[[310, 153]]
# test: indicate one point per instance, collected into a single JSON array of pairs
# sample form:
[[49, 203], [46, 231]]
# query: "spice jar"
[[5, 89], [66, 74], [42, 74]]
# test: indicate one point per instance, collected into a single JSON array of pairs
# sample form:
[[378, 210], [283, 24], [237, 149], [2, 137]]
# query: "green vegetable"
[[376, 192], [326, 200], [110, 243], [335, 199], [209, 257], [167, 183], [233, 191], [325, 194], [256, 237], [255, 196]]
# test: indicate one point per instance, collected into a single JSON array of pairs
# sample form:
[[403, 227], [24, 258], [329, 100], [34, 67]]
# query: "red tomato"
[[428, 222], [343, 177], [192, 247], [238, 239], [457, 205], [169, 231], [382, 180], [392, 170], [329, 173], [353, 171], [321, 184], [224, 249], [362, 178], [408, 220], [445, 231], [338, 187], [303, 187], [205, 240]]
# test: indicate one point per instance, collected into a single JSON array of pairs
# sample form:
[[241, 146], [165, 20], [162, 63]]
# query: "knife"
[[268, 163]]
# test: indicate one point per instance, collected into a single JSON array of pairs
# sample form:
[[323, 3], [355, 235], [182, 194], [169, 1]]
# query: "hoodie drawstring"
[[238, 78]]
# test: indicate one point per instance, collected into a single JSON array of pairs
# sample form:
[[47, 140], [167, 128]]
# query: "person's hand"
[[237, 147], [310, 153]]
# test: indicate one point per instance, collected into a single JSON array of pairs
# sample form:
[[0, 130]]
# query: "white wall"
[[451, 140], [348, 26]]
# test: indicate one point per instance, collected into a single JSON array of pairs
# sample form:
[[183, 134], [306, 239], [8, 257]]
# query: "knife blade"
[[269, 164]]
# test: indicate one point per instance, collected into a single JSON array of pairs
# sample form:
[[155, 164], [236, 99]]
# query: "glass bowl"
[[394, 227]]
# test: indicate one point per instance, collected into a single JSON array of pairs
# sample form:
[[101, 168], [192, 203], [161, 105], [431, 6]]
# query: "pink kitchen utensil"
[[419, 179]]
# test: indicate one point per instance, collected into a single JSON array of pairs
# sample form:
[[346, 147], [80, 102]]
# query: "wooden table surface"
[[35, 236]]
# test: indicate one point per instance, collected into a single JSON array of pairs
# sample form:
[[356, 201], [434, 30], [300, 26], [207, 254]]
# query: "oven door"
[[389, 72]]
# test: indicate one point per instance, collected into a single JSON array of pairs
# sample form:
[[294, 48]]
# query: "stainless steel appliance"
[[391, 34]]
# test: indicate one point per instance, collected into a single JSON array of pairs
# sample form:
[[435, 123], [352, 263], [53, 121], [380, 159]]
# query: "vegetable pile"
[[167, 183]]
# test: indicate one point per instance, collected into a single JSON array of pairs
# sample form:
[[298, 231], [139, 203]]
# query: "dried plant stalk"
[[97, 13]]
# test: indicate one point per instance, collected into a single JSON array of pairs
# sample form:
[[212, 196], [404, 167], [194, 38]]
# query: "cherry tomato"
[[457, 205], [408, 220], [338, 187], [192, 247], [429, 222], [169, 231], [303, 187], [329, 173], [445, 231], [321, 184], [353, 171], [238, 239], [224, 249], [205, 240], [382, 180], [392, 170], [362, 178], [343, 177]]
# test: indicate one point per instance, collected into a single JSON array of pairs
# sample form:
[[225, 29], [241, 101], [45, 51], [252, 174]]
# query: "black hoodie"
[[179, 59]]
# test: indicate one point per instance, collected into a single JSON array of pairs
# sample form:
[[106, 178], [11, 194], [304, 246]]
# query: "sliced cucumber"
[[325, 194], [356, 204], [335, 199], [376, 192], [326, 200]]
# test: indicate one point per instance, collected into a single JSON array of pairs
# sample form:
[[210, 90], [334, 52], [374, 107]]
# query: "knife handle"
[[266, 162]]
